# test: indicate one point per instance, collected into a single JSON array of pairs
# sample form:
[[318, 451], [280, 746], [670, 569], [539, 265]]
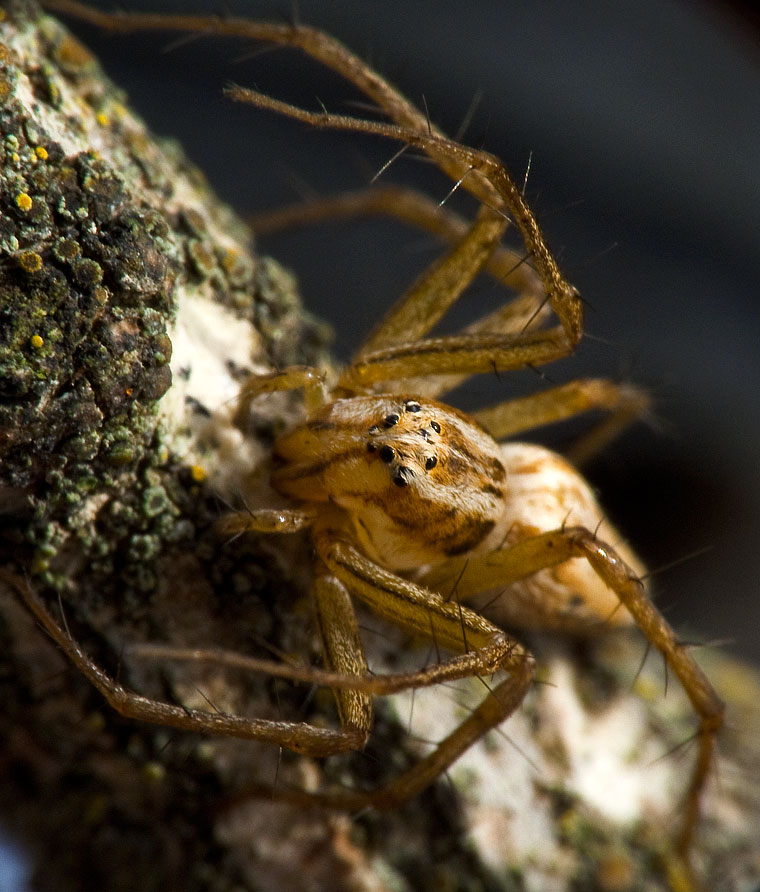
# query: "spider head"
[[418, 480], [407, 441]]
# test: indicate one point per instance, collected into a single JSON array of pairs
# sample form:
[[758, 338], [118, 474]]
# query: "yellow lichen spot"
[[24, 201], [30, 261], [15, 157], [40, 565], [36, 341], [197, 473], [569, 822], [128, 391], [41, 152], [230, 258], [102, 119]]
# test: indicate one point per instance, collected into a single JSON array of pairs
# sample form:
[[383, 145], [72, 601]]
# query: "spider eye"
[[387, 454], [371, 447], [430, 463], [391, 420], [436, 427], [412, 406], [401, 478]]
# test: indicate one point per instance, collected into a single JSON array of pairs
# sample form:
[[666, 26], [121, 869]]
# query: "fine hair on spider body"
[[415, 508]]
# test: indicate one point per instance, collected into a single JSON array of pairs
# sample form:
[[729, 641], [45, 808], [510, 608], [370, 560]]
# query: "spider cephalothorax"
[[418, 479]]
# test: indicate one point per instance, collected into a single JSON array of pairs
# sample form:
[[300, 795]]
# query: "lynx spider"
[[406, 497]]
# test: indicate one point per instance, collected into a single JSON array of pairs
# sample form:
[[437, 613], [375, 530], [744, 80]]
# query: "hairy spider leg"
[[526, 312], [497, 569], [478, 171], [406, 205], [299, 737], [316, 44], [625, 403]]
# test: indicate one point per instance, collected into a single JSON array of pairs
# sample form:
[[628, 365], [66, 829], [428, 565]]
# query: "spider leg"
[[466, 354], [321, 47], [438, 287], [500, 341], [563, 297], [300, 737], [297, 736], [477, 352], [295, 377], [343, 650], [344, 653], [426, 302], [266, 520], [408, 206], [479, 172], [500, 703], [486, 650], [525, 313], [624, 402], [550, 549]]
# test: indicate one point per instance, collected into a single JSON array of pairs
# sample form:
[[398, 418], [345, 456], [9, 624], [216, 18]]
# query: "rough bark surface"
[[131, 307]]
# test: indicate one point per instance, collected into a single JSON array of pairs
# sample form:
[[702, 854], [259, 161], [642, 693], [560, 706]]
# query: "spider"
[[413, 506]]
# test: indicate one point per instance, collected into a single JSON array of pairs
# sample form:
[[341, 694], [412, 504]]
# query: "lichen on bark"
[[131, 308], [104, 233]]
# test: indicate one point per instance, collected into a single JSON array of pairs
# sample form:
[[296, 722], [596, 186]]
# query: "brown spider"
[[414, 506]]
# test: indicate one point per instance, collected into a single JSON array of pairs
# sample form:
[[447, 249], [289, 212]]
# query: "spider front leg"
[[486, 649], [474, 246], [507, 199], [297, 736], [479, 353], [483, 647], [295, 377], [394, 351], [551, 549], [477, 171]]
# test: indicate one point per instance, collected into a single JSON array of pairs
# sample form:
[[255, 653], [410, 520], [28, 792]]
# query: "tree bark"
[[132, 307]]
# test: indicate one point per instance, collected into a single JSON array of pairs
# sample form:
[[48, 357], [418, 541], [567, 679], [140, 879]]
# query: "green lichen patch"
[[88, 274], [103, 231]]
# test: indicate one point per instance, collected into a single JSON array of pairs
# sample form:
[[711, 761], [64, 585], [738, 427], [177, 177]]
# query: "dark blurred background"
[[641, 123]]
